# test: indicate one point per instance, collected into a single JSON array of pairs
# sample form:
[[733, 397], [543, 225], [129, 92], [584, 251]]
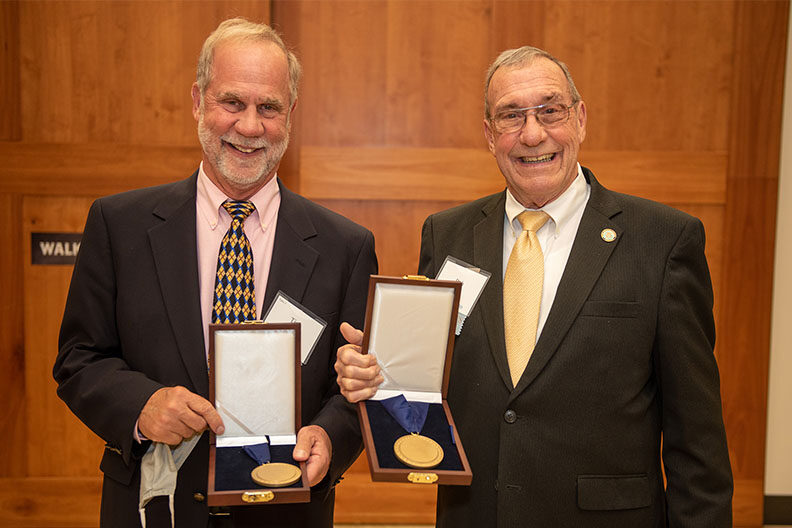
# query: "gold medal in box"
[[414, 449], [271, 474]]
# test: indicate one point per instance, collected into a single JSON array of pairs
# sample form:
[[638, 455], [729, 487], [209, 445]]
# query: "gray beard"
[[212, 148]]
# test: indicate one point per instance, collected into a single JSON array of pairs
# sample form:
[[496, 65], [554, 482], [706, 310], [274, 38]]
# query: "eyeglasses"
[[548, 115]]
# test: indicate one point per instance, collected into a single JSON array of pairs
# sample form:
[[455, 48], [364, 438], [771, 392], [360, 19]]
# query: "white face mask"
[[159, 470]]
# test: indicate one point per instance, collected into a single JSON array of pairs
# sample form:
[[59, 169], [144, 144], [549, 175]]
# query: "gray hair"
[[242, 30], [520, 57]]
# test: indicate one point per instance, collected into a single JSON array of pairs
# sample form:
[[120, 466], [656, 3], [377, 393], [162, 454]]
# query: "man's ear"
[[581, 121], [291, 113], [196, 98], [490, 135]]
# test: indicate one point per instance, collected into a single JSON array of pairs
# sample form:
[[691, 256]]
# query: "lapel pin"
[[608, 235]]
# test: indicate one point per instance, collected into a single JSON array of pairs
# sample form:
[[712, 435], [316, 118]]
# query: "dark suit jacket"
[[132, 325], [625, 356]]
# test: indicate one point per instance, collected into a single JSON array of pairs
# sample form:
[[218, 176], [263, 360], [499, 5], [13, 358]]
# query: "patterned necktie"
[[522, 293], [234, 298]]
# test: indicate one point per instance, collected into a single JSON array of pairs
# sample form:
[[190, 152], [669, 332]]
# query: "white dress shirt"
[[555, 237]]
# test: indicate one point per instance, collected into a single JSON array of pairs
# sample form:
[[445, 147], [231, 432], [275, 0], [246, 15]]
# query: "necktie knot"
[[532, 220], [239, 209]]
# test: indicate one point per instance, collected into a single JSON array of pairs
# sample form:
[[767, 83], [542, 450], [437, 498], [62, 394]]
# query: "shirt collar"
[[210, 200], [559, 210]]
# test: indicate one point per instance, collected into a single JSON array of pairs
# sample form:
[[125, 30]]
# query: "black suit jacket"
[[624, 357], [132, 325]]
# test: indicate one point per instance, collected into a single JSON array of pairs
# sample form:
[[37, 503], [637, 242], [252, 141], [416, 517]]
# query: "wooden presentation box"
[[254, 383], [410, 325]]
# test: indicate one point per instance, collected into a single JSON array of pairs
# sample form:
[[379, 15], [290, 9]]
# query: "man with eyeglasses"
[[584, 378]]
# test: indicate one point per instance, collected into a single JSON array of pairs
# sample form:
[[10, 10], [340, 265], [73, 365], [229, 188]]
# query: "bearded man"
[[132, 360]]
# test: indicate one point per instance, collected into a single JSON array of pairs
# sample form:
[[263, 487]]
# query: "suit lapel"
[[488, 255], [174, 247], [588, 257], [293, 260]]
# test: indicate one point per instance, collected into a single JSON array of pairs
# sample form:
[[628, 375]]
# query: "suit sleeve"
[[339, 417], [93, 378], [695, 456], [426, 265]]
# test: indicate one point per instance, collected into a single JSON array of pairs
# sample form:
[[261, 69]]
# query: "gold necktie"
[[522, 293]]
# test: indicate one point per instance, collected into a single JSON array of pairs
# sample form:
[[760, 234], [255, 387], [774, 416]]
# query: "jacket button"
[[198, 496], [510, 416]]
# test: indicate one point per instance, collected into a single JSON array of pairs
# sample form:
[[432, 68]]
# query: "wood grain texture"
[[752, 185], [655, 75], [10, 110], [50, 502], [748, 503], [388, 131], [751, 196], [58, 443], [91, 168], [401, 173], [396, 225], [115, 71], [14, 409]]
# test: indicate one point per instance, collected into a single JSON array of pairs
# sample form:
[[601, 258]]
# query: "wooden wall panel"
[[655, 75], [391, 221], [658, 79], [12, 352], [466, 174], [51, 427], [388, 131], [751, 196], [10, 115], [336, 113], [50, 502], [115, 71]]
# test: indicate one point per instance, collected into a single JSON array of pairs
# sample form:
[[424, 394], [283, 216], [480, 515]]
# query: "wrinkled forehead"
[[535, 82]]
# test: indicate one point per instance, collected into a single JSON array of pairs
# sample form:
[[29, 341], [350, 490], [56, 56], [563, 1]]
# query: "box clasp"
[[415, 277], [422, 478], [258, 496]]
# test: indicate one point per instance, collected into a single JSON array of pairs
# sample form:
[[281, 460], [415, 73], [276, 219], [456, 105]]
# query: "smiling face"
[[539, 163], [243, 117]]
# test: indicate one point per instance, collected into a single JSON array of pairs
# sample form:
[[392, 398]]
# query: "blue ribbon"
[[410, 415], [259, 452]]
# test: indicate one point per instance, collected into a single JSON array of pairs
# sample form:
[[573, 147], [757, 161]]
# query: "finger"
[[359, 395], [302, 449], [167, 416], [208, 414], [351, 334], [354, 384], [316, 468], [349, 355], [357, 373], [313, 442]]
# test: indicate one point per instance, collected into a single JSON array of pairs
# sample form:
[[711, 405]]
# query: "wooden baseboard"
[[74, 502], [359, 500], [778, 509], [53, 502]]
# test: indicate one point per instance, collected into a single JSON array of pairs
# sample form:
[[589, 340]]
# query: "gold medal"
[[276, 475], [418, 451]]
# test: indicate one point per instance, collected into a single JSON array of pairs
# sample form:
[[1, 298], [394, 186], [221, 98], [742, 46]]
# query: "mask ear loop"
[[162, 462]]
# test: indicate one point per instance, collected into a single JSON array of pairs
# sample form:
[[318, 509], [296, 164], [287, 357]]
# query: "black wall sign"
[[54, 248]]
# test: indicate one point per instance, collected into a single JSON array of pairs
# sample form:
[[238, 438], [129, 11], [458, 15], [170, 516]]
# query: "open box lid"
[[410, 324], [254, 382]]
